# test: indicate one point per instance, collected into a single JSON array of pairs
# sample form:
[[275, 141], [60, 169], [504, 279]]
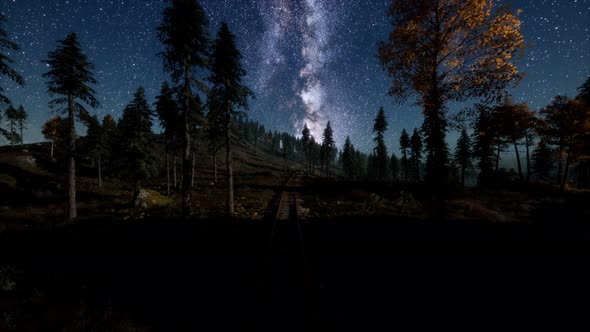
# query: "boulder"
[[141, 199]]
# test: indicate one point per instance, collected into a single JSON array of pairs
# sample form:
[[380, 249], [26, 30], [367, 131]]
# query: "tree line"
[[206, 95], [556, 141]]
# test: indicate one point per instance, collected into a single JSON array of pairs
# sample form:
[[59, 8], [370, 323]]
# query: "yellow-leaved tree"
[[449, 50]]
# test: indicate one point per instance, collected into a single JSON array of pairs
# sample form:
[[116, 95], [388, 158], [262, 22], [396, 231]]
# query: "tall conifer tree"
[[227, 73], [184, 33], [69, 79]]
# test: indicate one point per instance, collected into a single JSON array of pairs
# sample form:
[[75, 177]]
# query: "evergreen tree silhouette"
[[135, 154], [227, 73], [542, 160], [328, 149], [6, 44], [22, 119], [380, 151], [404, 143], [184, 33], [463, 154], [167, 112], [69, 78], [416, 153]]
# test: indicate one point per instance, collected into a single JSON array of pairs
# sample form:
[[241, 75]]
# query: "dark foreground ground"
[[366, 274]]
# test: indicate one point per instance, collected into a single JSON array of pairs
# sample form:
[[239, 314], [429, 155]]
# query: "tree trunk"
[[167, 172], [71, 182], [186, 144], [215, 168], [560, 163], [174, 169], [518, 161], [463, 176], [11, 135], [528, 157], [565, 172], [230, 179], [22, 141], [52, 143], [498, 158], [100, 172], [193, 170]]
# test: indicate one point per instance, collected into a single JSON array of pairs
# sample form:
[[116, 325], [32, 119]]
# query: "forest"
[[192, 169]]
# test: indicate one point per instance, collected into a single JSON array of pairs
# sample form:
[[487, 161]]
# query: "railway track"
[[287, 231]]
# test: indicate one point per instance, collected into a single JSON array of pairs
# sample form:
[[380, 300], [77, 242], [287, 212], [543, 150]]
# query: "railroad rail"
[[287, 230]]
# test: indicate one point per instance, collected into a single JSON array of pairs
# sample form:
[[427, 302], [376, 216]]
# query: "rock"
[[141, 200]]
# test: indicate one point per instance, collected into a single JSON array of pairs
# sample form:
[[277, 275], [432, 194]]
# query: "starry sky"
[[308, 61]]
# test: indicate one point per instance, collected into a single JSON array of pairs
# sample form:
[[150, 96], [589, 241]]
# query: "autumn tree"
[[184, 33], [381, 155], [227, 74], [404, 143], [7, 45], [54, 130], [463, 154], [583, 167], [416, 153], [69, 78], [328, 149], [514, 121], [449, 50]]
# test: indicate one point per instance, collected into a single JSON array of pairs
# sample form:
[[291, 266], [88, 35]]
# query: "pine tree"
[[416, 153], [227, 73], [96, 143], [183, 32], [404, 143], [348, 158], [215, 128], [542, 160], [381, 156], [6, 44], [328, 150], [306, 141], [555, 129], [449, 50], [69, 77], [463, 154], [167, 112], [21, 121], [394, 166], [12, 115], [484, 138], [135, 153]]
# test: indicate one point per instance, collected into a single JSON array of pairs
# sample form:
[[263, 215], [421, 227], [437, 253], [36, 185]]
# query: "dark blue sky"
[[307, 60]]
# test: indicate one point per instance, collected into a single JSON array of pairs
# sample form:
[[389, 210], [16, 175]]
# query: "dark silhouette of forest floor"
[[122, 269]]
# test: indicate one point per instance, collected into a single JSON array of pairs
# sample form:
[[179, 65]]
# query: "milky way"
[[308, 61], [315, 39]]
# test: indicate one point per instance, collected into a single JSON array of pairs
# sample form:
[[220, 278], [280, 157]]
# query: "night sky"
[[307, 60]]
